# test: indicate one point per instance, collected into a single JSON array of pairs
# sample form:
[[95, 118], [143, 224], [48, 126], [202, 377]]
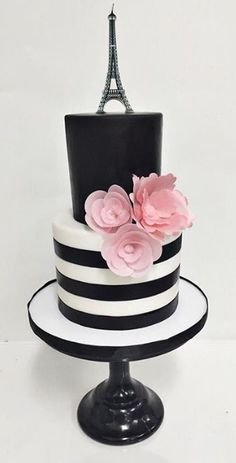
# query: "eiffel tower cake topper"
[[117, 93]]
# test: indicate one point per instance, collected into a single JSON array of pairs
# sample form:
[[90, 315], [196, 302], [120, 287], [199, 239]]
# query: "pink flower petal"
[[156, 249], [96, 209], [158, 207], [130, 257], [94, 226], [99, 194], [145, 261], [130, 251], [120, 191], [106, 211]]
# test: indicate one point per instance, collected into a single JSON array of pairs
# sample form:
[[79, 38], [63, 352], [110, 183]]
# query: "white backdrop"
[[176, 57]]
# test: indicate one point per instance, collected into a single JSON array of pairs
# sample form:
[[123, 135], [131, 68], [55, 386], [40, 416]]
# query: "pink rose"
[[107, 211], [158, 208], [130, 251]]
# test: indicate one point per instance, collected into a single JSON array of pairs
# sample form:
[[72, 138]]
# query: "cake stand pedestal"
[[120, 410]]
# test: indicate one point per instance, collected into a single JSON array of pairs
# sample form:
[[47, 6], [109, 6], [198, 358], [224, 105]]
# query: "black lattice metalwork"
[[117, 93]]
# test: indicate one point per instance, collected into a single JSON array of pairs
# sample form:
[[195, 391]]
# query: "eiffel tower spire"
[[113, 72]]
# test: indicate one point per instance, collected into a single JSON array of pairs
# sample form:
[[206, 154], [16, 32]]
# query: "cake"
[[118, 248]]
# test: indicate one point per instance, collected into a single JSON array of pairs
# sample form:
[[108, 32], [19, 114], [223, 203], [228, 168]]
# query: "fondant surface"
[[107, 149]]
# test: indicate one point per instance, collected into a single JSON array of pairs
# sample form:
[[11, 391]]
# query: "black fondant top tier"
[[104, 149]]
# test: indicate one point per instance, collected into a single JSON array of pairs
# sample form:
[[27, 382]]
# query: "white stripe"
[[104, 276], [67, 231], [118, 308]]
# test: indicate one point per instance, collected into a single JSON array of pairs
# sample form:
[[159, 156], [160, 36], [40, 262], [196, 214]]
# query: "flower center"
[[129, 248], [112, 213]]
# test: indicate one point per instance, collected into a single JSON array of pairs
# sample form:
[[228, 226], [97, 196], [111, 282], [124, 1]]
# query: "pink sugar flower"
[[130, 251], [157, 207], [107, 211]]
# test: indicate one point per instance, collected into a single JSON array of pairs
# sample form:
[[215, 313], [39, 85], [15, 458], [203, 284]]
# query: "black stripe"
[[79, 256], [169, 250], [128, 322], [94, 259], [118, 292]]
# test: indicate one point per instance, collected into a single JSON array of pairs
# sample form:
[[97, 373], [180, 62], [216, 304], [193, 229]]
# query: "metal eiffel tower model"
[[113, 72]]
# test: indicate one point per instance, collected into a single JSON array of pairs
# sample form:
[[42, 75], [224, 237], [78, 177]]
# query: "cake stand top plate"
[[51, 326]]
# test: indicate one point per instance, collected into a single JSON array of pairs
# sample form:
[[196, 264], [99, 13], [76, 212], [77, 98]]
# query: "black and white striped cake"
[[90, 294], [118, 248]]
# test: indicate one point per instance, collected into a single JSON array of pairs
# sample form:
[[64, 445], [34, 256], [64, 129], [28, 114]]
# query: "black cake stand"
[[120, 410]]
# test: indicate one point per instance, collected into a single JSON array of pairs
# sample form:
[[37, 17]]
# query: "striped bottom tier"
[[91, 295]]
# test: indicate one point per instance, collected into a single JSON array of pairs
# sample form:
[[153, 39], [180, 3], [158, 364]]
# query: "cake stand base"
[[120, 410]]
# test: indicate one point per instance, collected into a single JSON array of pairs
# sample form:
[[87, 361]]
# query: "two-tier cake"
[[118, 249]]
